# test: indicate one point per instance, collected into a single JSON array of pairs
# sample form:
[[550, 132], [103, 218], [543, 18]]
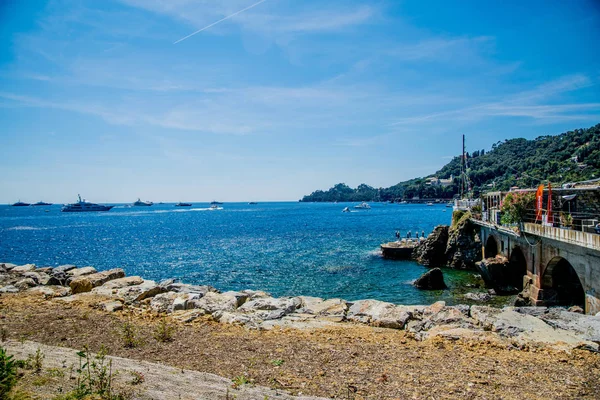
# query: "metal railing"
[[578, 221]]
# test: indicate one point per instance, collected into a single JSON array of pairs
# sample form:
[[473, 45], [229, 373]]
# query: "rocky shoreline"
[[111, 291]]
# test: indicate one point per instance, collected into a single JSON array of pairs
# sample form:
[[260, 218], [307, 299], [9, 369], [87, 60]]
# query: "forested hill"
[[568, 157]]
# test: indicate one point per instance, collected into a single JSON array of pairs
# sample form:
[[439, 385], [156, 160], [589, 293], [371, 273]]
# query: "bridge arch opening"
[[491, 247], [560, 277], [517, 268]]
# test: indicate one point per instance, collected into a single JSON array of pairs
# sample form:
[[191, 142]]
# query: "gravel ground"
[[346, 362]]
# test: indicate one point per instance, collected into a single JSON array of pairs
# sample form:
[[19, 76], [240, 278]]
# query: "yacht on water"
[[252, 203], [84, 206], [41, 203], [183, 204], [142, 203], [363, 206], [20, 204], [215, 203]]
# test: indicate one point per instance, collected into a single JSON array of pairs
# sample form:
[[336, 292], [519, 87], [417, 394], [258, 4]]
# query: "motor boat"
[[20, 204], [214, 207], [41, 203], [363, 206], [183, 205], [84, 206], [213, 203], [252, 203], [142, 203], [347, 209]]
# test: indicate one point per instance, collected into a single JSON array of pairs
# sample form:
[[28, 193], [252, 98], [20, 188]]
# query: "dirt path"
[[160, 382], [342, 362]]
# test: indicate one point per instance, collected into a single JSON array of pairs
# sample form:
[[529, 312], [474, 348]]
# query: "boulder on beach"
[[86, 283], [431, 280]]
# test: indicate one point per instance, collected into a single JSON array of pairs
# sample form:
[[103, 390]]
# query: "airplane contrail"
[[221, 20]]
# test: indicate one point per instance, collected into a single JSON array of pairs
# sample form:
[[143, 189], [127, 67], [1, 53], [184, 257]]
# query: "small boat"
[[214, 207], [213, 203], [84, 206], [41, 203], [20, 204], [252, 203], [141, 203], [347, 209], [430, 204], [403, 202], [363, 206], [183, 205]]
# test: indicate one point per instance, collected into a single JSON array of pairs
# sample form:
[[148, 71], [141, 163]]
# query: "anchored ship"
[[84, 206]]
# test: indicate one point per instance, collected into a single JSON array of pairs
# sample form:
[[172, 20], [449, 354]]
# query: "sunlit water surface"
[[284, 248]]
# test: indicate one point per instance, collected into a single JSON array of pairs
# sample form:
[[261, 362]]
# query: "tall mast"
[[462, 169]]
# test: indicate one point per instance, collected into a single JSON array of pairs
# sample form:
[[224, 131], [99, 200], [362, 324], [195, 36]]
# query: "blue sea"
[[286, 248]]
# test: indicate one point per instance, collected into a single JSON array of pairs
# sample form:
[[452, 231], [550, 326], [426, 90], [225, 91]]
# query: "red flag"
[[539, 203], [550, 216]]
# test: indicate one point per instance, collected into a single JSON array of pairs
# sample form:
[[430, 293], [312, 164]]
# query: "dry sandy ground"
[[346, 362]]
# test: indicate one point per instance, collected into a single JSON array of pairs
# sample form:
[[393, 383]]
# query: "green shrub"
[[8, 373], [130, 336], [164, 331]]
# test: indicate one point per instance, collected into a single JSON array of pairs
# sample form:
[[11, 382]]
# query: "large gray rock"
[[9, 289], [7, 266], [23, 268], [586, 326], [111, 305], [132, 294], [61, 269], [120, 283], [227, 317], [25, 284], [163, 302], [185, 301], [332, 309], [86, 283], [485, 316], [378, 313], [284, 305], [212, 302], [50, 291], [74, 273], [255, 294], [171, 286], [431, 280]]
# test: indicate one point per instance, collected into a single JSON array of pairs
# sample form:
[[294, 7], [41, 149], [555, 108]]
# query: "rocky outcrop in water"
[[457, 246], [494, 271], [432, 251], [463, 249], [431, 280]]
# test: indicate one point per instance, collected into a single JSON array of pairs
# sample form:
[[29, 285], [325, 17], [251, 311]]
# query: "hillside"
[[568, 157]]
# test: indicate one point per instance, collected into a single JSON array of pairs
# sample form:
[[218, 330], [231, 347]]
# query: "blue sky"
[[281, 99]]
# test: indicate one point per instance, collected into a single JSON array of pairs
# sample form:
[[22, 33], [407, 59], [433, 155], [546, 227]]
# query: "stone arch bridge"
[[553, 266]]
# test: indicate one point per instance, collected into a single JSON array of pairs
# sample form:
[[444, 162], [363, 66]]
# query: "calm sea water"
[[283, 248]]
